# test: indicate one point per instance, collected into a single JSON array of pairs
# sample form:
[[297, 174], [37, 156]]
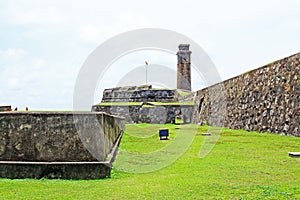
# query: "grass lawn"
[[242, 165]]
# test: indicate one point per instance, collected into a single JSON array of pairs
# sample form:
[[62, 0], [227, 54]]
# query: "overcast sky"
[[43, 44]]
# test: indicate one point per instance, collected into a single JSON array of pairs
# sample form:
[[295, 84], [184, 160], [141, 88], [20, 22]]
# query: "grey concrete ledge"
[[52, 163], [55, 171], [57, 113], [48, 145], [62, 170]]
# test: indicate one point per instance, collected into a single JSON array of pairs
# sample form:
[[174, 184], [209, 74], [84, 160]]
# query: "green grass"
[[242, 165], [173, 103], [183, 93], [119, 104]]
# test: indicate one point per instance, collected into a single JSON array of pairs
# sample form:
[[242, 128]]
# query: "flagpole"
[[146, 63]]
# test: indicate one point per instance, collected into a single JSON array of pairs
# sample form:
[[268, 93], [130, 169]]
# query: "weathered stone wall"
[[266, 100], [137, 104], [139, 94], [57, 136], [5, 108], [153, 115]]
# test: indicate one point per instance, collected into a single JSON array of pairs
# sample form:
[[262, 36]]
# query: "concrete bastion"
[[68, 145]]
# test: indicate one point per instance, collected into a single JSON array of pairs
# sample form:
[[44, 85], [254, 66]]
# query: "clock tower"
[[184, 67]]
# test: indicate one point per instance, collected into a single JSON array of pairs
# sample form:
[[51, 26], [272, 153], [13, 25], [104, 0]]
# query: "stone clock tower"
[[184, 67]]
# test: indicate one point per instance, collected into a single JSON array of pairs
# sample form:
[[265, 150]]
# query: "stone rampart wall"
[[266, 99], [152, 115], [140, 96]]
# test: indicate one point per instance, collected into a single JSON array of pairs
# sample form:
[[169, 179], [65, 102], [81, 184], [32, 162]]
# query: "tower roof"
[[184, 47]]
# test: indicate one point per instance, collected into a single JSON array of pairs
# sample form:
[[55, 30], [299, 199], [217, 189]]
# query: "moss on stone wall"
[[266, 99]]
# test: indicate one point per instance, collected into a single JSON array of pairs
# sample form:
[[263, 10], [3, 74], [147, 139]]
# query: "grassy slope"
[[242, 165]]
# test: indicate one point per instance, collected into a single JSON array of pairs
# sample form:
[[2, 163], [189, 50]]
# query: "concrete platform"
[[294, 154], [50, 170], [64, 145], [60, 170]]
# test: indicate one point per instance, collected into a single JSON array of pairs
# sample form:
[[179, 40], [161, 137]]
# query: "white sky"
[[44, 43]]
